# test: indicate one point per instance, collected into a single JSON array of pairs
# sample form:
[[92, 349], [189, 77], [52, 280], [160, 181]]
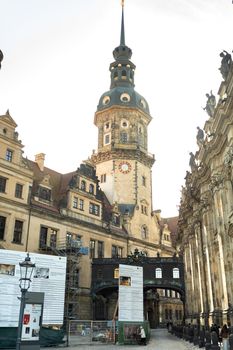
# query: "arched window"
[[158, 272], [144, 232], [83, 185], [124, 74], [91, 189], [176, 273]]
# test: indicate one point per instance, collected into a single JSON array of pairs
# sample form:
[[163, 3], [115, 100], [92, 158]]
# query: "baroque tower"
[[123, 164]]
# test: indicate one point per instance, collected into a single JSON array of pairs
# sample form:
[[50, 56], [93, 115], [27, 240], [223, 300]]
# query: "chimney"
[[39, 159]]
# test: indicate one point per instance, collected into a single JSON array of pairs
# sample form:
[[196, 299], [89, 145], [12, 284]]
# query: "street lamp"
[[26, 270]]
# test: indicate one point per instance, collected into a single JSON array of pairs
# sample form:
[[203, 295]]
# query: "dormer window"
[[44, 193], [125, 97], [91, 189], [106, 100], [83, 185]]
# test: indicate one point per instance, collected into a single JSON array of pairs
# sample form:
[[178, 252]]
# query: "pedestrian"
[[142, 336], [225, 335]]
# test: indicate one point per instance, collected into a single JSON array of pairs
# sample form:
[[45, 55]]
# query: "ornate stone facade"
[[205, 223]]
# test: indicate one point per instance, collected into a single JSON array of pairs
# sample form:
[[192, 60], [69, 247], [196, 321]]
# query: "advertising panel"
[[31, 322], [131, 293], [49, 278]]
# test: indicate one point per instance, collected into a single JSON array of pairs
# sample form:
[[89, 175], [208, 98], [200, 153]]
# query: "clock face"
[[125, 167]]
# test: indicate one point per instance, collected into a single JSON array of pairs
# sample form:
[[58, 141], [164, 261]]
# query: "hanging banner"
[[131, 293], [48, 277]]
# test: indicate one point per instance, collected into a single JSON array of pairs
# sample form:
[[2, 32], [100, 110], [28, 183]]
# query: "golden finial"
[[122, 3]]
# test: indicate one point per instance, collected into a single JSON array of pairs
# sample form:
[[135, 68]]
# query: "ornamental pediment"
[[46, 181], [144, 201]]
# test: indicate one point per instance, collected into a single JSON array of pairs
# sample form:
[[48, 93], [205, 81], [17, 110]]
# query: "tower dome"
[[122, 91]]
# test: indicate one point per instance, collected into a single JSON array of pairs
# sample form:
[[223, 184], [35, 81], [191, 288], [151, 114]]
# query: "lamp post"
[[26, 270]]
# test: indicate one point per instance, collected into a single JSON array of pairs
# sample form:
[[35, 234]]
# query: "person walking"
[[224, 334], [142, 336]]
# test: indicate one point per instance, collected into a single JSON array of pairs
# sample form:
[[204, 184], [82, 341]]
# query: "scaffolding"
[[71, 249]]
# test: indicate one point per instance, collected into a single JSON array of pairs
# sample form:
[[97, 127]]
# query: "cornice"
[[116, 109], [137, 155]]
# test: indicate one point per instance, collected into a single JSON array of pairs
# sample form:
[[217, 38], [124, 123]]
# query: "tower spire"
[[122, 41]]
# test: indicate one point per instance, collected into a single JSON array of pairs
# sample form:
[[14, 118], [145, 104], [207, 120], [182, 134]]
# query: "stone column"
[[207, 267], [200, 274]]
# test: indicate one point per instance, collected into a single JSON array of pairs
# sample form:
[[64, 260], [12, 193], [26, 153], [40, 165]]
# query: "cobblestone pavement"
[[160, 340]]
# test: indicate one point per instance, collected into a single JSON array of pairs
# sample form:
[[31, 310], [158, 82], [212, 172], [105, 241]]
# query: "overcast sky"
[[55, 68]]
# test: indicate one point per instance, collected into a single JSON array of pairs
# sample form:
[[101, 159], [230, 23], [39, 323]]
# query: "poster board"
[[131, 293], [49, 278], [31, 322]]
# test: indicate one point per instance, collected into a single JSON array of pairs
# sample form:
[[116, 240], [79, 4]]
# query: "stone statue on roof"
[[225, 63], [192, 161], [210, 104], [200, 136], [1, 57]]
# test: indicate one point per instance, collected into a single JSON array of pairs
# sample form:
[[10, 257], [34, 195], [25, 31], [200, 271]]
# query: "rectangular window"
[[158, 272], [100, 252], [9, 155], [18, 231], [117, 252], [107, 139], [124, 137], [75, 203], [3, 184], [114, 251], [81, 204], [18, 191], [2, 227], [120, 252], [92, 248], [43, 237], [73, 240], [103, 178], [94, 209], [53, 238], [176, 273]]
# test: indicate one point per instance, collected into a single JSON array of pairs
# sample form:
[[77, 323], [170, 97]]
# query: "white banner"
[[49, 277], [131, 293]]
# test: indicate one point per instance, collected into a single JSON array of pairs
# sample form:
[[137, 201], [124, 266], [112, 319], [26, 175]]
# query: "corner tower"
[[123, 164]]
